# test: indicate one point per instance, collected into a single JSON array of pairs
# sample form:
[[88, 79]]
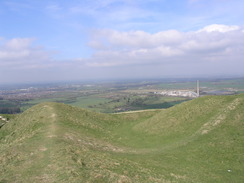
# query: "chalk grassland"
[[201, 140]]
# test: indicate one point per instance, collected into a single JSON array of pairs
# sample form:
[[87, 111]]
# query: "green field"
[[206, 84], [114, 103], [201, 140], [117, 96]]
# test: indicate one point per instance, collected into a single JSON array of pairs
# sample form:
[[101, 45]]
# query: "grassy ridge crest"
[[196, 141]]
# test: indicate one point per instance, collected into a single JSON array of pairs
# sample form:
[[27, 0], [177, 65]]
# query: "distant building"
[[179, 93]]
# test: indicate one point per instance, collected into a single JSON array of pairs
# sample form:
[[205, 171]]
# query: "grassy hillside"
[[197, 141]]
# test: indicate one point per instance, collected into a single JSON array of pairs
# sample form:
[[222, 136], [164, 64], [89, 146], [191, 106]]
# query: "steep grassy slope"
[[197, 141]]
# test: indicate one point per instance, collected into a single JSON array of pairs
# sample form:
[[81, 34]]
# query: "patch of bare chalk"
[[207, 127]]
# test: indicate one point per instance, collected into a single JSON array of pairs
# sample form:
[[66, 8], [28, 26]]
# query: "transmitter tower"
[[198, 89]]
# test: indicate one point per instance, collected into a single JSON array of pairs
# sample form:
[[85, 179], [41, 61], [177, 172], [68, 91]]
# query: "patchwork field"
[[111, 97]]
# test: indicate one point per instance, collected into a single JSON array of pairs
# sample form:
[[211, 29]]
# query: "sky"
[[60, 40]]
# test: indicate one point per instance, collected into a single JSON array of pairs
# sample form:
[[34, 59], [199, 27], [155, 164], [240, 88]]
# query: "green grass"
[[87, 101], [201, 140]]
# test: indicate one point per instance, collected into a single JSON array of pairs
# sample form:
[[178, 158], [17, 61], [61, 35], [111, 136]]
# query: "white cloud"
[[130, 54], [105, 39], [18, 43], [20, 53], [214, 42], [219, 28]]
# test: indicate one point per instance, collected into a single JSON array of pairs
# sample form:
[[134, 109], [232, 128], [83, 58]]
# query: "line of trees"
[[9, 110]]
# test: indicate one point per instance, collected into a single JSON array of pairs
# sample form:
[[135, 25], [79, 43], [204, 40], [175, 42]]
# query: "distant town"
[[115, 96]]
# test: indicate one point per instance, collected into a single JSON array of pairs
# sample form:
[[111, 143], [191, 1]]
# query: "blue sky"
[[52, 40]]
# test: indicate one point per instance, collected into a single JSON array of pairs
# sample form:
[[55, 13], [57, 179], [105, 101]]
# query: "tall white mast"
[[198, 90]]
